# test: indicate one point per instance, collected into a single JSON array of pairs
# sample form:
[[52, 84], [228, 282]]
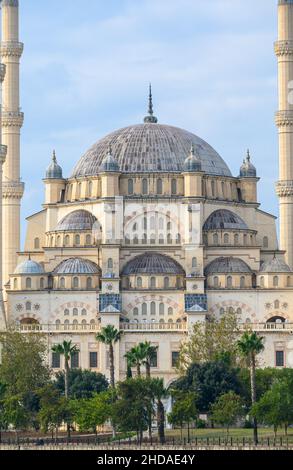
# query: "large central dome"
[[150, 147]]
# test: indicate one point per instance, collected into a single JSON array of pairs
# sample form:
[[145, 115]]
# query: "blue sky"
[[87, 65]]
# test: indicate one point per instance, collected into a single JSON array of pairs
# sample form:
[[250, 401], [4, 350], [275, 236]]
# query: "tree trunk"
[[253, 395], [112, 369], [286, 429], [66, 384], [161, 421], [138, 370], [148, 370], [188, 432]]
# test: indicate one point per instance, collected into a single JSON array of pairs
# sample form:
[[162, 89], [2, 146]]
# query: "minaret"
[[12, 120], [3, 151]]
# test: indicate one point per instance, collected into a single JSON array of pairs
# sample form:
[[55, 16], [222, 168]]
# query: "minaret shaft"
[[12, 120], [284, 122]]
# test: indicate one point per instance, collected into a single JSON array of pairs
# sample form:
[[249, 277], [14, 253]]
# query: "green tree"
[[210, 341], [54, 409], [275, 407], [15, 413], [109, 336], [130, 360], [81, 383], [149, 354], [159, 392], [227, 409], [137, 356], [23, 367], [66, 349], [92, 412], [132, 409], [208, 381], [184, 409], [250, 345]]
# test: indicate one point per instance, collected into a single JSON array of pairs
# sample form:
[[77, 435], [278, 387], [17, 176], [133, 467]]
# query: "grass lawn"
[[233, 432]]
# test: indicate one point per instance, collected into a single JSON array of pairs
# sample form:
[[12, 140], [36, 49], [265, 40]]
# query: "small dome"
[[29, 267], [247, 169], [76, 221], [77, 266], [192, 162], [276, 265], [152, 263], [227, 265], [224, 219], [109, 163], [54, 171]]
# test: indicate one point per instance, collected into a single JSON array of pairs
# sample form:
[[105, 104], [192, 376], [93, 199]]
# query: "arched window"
[[159, 186], [89, 283], [42, 283], [161, 239], [84, 312], [170, 311], [229, 281], [174, 186], [135, 311], [265, 242], [77, 239], [58, 241], [66, 240], [144, 309], [245, 239], [194, 263], [242, 282], [37, 243], [236, 239], [28, 306], [223, 189], [144, 186], [144, 239], [78, 191], [213, 188], [15, 284], [153, 308], [276, 281], [28, 283], [75, 282], [75, 312], [110, 263], [169, 226], [139, 282], [161, 308], [215, 239], [88, 240], [153, 283], [130, 186], [166, 282], [169, 239], [66, 312], [239, 311], [62, 282], [289, 282], [135, 240], [222, 311], [262, 281], [226, 238], [178, 238], [216, 281], [90, 189]]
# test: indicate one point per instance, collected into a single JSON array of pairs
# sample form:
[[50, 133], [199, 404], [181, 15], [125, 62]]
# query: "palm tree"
[[66, 349], [109, 336], [138, 354], [159, 392], [129, 356], [149, 352], [249, 345]]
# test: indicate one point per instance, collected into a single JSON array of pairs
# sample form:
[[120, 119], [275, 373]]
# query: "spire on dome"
[[54, 171], [247, 168], [192, 162], [151, 118]]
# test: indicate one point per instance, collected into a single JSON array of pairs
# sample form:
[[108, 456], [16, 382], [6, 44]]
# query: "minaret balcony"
[[11, 49], [283, 48], [284, 188], [284, 118], [12, 189], [12, 118]]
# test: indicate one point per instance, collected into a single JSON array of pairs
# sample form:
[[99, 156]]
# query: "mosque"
[[150, 232]]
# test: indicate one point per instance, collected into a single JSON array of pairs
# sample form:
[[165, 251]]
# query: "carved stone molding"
[[11, 49], [12, 119], [3, 153], [284, 118], [284, 188], [13, 190], [283, 48], [2, 72]]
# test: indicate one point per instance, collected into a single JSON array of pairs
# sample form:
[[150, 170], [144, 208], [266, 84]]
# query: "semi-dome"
[[224, 219], [29, 267], [152, 263], [227, 265], [54, 171], [77, 266], [275, 265], [150, 147], [76, 221]]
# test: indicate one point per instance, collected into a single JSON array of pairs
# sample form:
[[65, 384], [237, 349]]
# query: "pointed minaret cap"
[[192, 162], [54, 171], [150, 118], [247, 169]]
